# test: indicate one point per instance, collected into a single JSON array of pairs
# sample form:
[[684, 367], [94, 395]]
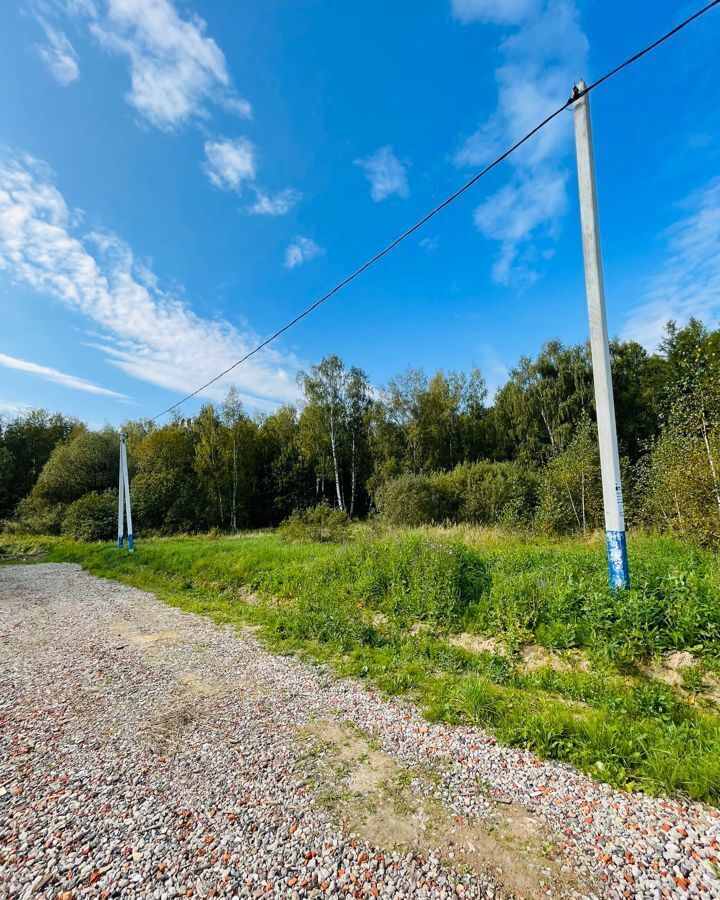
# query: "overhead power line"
[[426, 218]]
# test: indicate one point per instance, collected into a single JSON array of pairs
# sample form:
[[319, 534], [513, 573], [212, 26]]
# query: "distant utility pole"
[[124, 497], [600, 348]]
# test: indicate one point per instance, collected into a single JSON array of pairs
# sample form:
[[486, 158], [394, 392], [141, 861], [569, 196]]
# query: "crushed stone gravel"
[[145, 752]]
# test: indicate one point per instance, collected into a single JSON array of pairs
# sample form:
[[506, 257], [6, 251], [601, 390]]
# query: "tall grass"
[[382, 607]]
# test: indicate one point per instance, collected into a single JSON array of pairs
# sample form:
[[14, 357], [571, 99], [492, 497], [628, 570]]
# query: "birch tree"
[[335, 416], [233, 416]]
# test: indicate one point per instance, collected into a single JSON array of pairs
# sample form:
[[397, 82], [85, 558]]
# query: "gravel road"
[[145, 752]]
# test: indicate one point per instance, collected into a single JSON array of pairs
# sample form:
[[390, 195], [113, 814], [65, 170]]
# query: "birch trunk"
[[353, 477], [711, 462], [336, 468], [233, 516], [574, 508]]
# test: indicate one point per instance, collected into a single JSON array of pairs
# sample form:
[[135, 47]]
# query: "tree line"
[[419, 449]]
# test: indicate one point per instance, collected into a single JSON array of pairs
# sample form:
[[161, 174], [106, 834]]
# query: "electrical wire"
[[426, 218], [648, 49]]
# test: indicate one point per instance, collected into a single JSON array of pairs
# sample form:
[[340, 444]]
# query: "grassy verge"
[[387, 608]]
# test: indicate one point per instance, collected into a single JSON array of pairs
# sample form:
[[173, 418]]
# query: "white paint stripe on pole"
[[599, 345], [121, 494], [126, 479]]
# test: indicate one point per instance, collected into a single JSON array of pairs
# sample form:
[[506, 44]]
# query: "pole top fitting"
[[579, 90]]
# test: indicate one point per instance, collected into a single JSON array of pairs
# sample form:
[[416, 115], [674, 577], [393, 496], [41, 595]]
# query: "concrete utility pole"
[[602, 375], [121, 495], [124, 495]]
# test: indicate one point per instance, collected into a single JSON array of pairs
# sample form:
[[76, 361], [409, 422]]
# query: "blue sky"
[[178, 179]]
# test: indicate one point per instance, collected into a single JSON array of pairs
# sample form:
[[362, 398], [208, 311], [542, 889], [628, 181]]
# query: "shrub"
[[484, 493], [164, 503], [679, 485], [35, 516], [495, 493], [92, 517], [416, 500], [318, 523]]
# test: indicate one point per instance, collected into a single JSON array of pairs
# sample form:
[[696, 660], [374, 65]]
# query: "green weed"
[[381, 607]]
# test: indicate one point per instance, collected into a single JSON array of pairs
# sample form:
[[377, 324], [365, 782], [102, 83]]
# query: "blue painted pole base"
[[120, 542], [617, 560], [131, 543]]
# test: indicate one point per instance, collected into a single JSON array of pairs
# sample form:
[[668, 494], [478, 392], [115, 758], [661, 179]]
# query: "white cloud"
[[689, 282], [542, 59], [177, 73], [494, 370], [58, 54], [300, 251], [13, 408], [503, 12], [430, 243], [385, 173], [237, 105], [229, 163], [149, 333], [176, 70], [528, 204], [70, 381], [278, 204]]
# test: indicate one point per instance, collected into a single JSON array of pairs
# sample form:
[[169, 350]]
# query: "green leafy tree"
[[286, 479], [570, 486], [681, 478], [695, 411], [324, 397], [240, 449], [26, 442], [543, 401], [334, 425], [210, 459], [87, 461], [165, 491], [639, 385], [7, 472], [357, 410], [423, 425]]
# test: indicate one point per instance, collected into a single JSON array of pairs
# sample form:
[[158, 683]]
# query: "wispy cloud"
[[529, 204], [147, 332], [494, 370], [689, 282], [430, 243], [58, 377], [177, 71], [508, 12], [12, 407], [300, 251], [542, 59], [58, 54], [229, 164], [278, 204], [386, 174]]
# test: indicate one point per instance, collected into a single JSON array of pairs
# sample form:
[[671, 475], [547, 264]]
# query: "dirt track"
[[146, 752]]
